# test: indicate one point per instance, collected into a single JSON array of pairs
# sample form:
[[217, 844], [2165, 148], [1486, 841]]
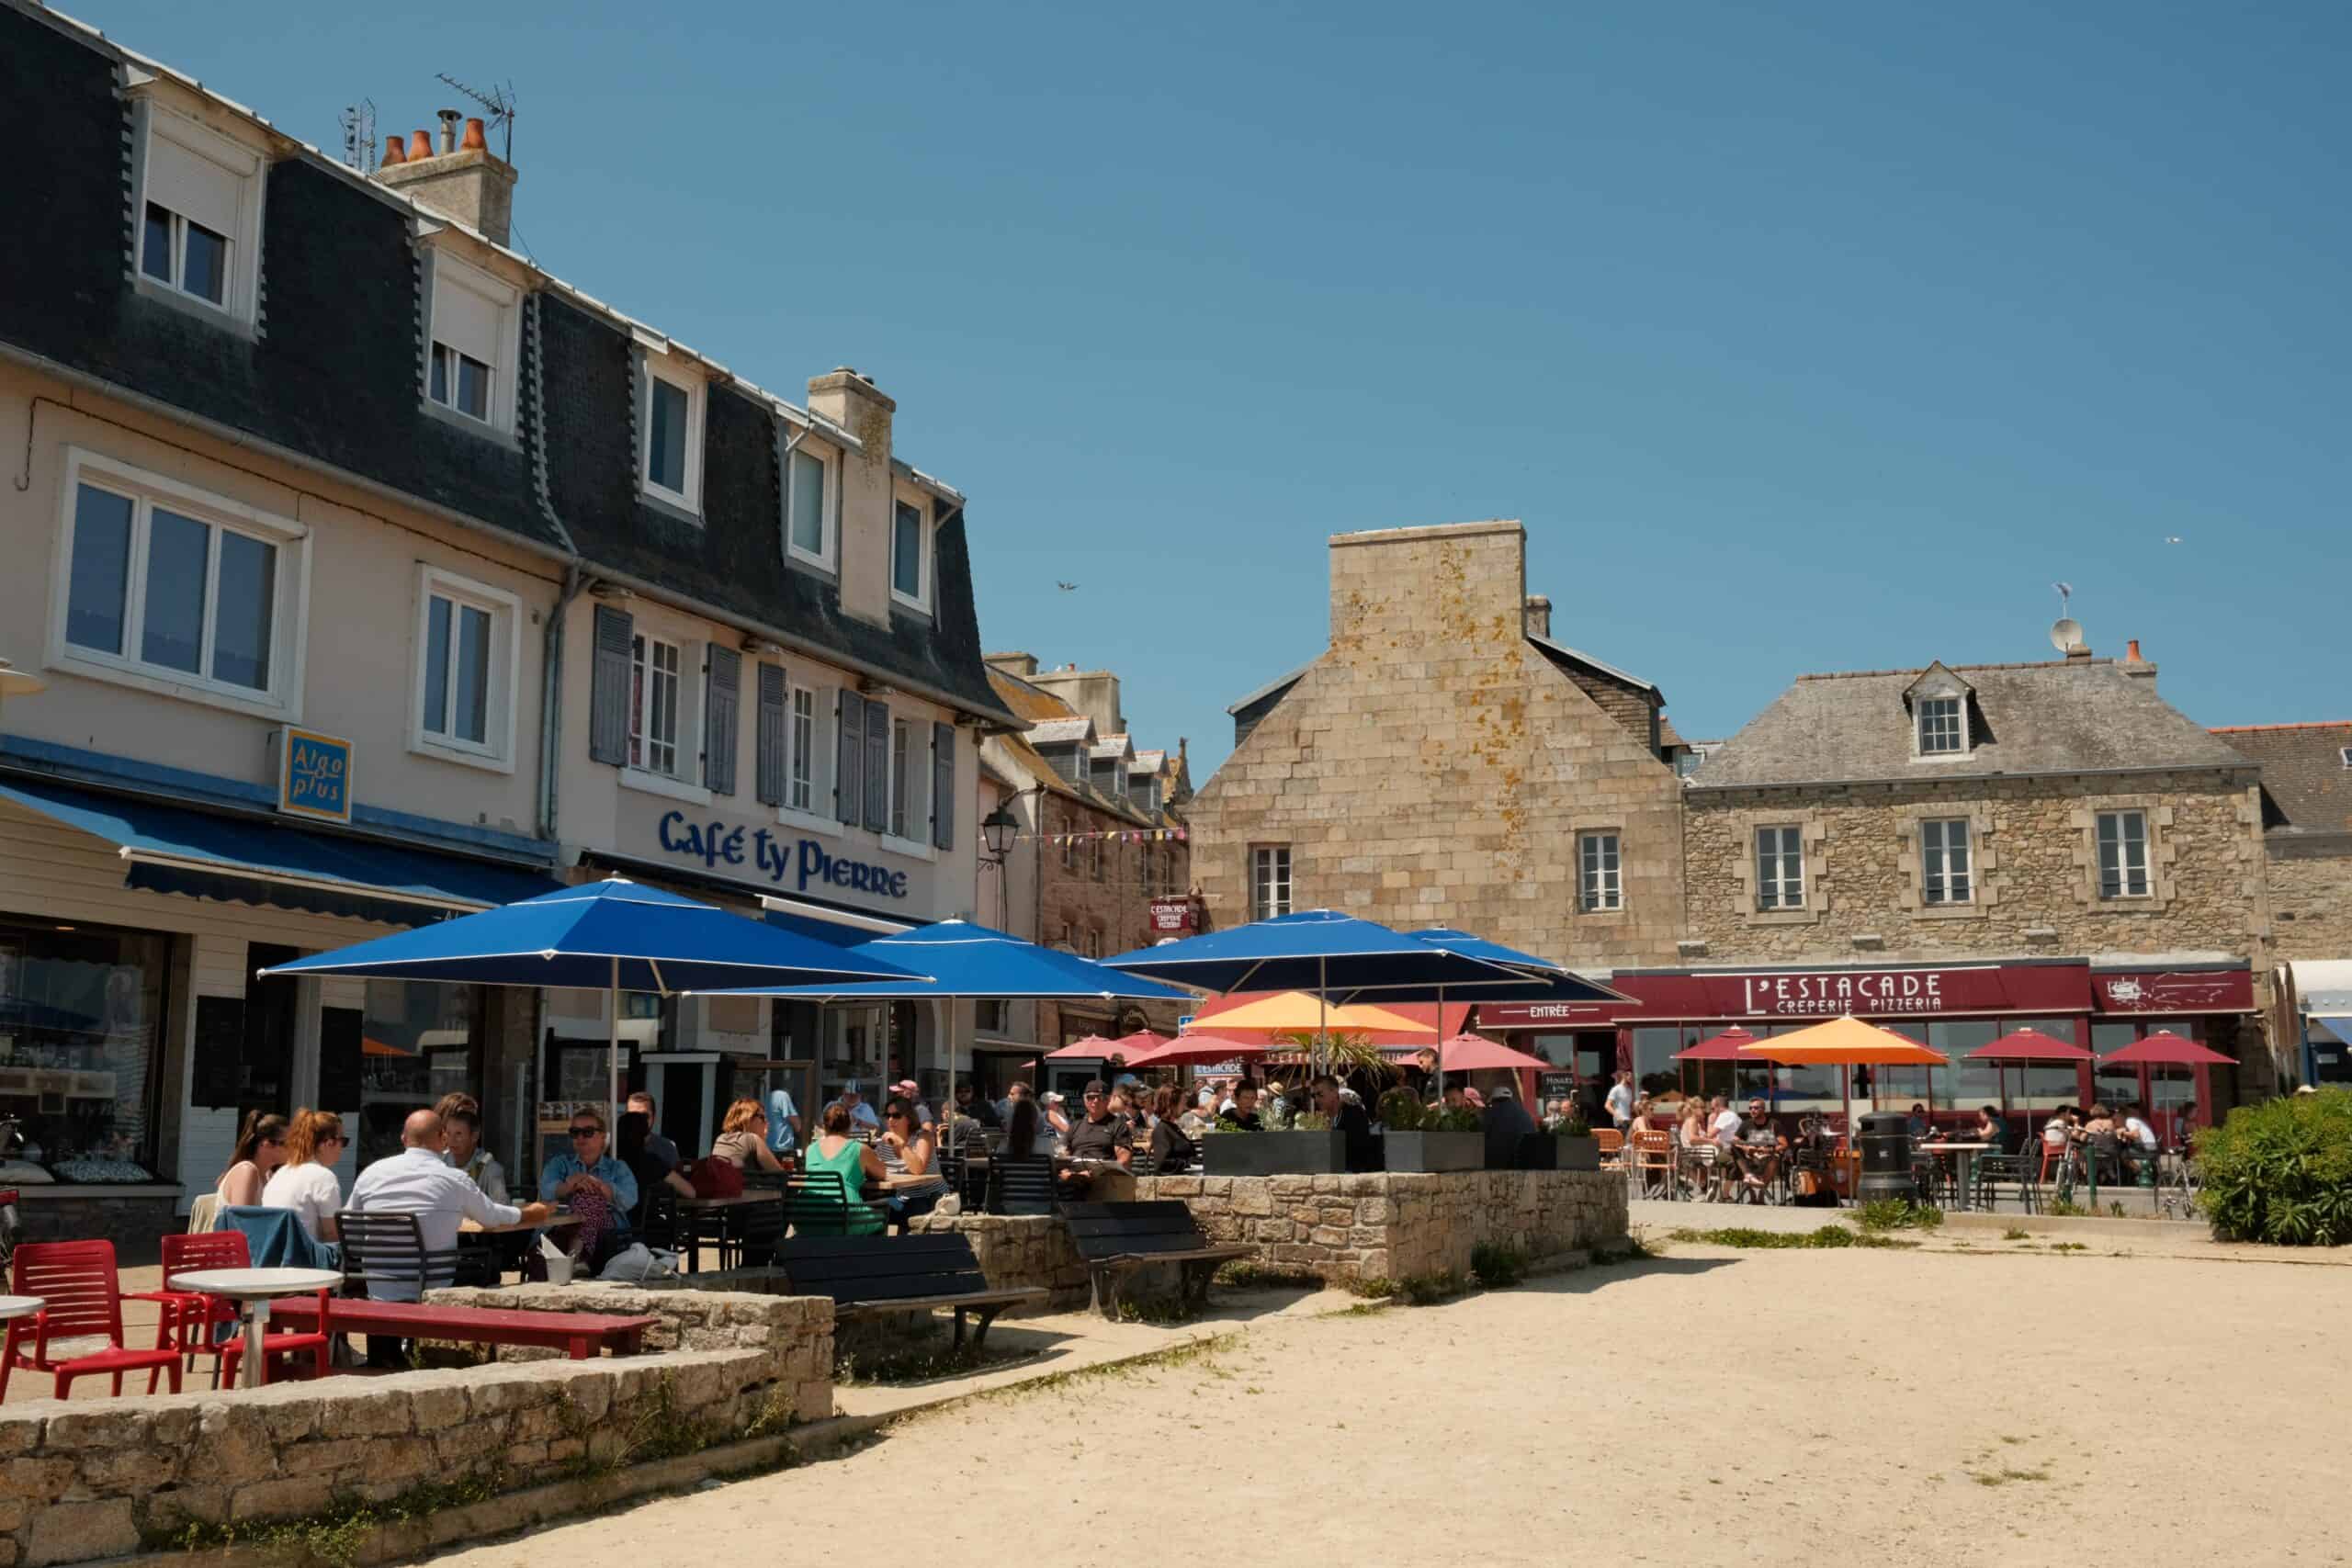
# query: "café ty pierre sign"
[[799, 863]]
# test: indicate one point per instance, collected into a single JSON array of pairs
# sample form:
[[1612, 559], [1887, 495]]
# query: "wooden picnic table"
[[578, 1335]]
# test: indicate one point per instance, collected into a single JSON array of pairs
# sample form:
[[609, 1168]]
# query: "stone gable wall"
[[2031, 841], [2311, 906], [89, 1479], [1378, 1226], [1433, 768]]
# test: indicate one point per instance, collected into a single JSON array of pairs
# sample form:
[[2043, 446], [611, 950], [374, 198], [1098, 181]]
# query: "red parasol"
[[1195, 1050], [1728, 1046], [1475, 1053], [2166, 1049], [1094, 1047], [2029, 1045]]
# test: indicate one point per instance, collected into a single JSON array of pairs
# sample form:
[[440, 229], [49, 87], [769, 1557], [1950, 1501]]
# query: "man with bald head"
[[417, 1181]]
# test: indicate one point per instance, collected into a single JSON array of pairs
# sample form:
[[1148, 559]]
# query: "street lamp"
[[997, 831]]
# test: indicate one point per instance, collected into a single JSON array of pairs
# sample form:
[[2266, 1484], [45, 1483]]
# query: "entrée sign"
[[775, 856]]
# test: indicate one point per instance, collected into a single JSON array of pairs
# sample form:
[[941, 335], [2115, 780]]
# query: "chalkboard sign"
[[1550, 1087], [340, 1049], [219, 1051]]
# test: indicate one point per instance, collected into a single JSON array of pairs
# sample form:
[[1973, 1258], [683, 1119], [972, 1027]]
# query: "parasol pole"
[[613, 1059]]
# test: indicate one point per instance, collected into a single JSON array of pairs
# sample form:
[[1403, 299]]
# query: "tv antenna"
[[359, 135], [498, 104]]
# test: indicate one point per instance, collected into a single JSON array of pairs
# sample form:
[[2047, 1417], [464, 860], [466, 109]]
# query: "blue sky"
[[1802, 337]]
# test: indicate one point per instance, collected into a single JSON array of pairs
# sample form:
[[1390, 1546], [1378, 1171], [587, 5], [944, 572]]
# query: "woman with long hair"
[[742, 1139], [1023, 1131], [1173, 1152], [261, 1149], [833, 1149], [306, 1183]]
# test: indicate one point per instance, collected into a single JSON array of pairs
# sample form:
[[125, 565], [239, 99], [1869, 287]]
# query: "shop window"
[[172, 589], [1780, 868], [81, 1008], [418, 1042], [1269, 880], [2123, 854], [1944, 866], [1601, 886]]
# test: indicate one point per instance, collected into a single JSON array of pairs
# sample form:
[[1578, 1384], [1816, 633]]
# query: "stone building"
[[1102, 841], [1447, 761], [2307, 843], [1955, 851]]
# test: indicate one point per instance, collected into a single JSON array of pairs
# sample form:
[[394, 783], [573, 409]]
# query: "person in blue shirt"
[[784, 1123], [599, 1190]]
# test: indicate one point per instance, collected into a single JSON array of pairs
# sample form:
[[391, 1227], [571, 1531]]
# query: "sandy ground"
[[1707, 1407]]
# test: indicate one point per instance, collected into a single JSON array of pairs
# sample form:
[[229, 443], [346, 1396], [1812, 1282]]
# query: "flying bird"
[[1066, 587], [2172, 538]]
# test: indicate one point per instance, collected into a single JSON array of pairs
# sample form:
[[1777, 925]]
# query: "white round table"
[[253, 1290], [20, 1306]]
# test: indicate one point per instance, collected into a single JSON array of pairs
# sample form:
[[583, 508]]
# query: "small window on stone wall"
[[1780, 868]]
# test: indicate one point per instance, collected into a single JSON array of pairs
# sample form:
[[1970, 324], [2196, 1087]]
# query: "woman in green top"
[[834, 1149]]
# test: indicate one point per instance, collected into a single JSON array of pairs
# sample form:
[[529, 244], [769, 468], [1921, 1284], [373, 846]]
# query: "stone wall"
[[1388, 1226], [2033, 858], [1017, 1252], [1434, 768], [92, 1479], [2311, 903]]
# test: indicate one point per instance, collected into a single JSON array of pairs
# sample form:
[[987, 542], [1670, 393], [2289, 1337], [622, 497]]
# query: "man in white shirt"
[[417, 1181], [1621, 1102]]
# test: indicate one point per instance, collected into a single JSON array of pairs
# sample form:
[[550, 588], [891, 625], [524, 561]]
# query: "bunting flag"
[[1119, 836]]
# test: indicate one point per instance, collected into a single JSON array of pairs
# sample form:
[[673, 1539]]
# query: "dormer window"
[[671, 417], [809, 512], [2347, 755], [200, 211], [909, 557], [474, 344], [1942, 726]]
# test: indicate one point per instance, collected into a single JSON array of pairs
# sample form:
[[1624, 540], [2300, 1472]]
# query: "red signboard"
[[1554, 1015], [1894, 990], [1170, 916], [2175, 991]]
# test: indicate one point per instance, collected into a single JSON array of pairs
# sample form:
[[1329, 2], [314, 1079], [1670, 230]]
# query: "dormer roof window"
[[1939, 701]]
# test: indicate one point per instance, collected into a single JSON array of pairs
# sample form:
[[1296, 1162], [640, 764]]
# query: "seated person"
[[1349, 1117], [979, 1107], [417, 1181], [742, 1140], [461, 1136], [860, 1113], [1759, 1149], [642, 1153], [1026, 1135], [910, 1160], [600, 1190], [1096, 1135], [1507, 1121], [1244, 1113], [1172, 1149], [835, 1150], [307, 1183], [1990, 1131]]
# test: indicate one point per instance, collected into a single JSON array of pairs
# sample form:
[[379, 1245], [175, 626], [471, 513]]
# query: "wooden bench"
[[1116, 1239], [580, 1334], [869, 1276]]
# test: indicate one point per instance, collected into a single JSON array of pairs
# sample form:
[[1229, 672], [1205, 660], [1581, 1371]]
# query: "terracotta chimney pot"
[[473, 142], [2132, 652], [420, 145], [392, 153]]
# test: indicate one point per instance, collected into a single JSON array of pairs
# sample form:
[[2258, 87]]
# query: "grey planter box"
[[1274, 1154], [1423, 1153], [1578, 1153]]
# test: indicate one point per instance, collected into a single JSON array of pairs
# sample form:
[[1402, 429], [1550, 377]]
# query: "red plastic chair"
[[191, 1321], [83, 1296]]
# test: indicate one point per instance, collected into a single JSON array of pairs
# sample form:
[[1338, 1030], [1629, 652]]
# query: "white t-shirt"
[[310, 1189], [2053, 1132], [2135, 1128], [1621, 1103], [1726, 1127]]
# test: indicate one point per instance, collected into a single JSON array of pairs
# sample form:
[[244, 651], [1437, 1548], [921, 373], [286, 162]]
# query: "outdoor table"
[[1965, 1161], [253, 1290], [20, 1306], [556, 1221]]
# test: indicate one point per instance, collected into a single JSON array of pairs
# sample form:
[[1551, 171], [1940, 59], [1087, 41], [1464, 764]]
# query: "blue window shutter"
[[609, 688], [722, 701], [769, 775], [877, 767], [942, 786], [849, 757]]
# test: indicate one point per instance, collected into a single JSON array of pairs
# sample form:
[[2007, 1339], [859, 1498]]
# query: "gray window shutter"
[[877, 767], [849, 757], [942, 786], [609, 688], [768, 784], [722, 701]]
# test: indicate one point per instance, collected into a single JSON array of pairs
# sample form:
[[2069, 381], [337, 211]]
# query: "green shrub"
[[1899, 1214], [1401, 1111], [2281, 1172], [1497, 1266], [1441, 1120]]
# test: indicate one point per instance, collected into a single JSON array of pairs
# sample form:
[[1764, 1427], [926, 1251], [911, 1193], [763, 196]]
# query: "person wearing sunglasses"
[[306, 1183], [599, 1190]]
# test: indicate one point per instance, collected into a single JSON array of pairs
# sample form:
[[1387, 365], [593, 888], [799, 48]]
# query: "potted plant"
[[1574, 1147], [1422, 1139], [1311, 1146]]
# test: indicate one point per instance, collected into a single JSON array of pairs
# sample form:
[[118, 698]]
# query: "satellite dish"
[[2066, 632]]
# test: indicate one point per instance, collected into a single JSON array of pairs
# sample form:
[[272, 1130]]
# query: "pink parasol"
[[1475, 1053], [1094, 1047], [2166, 1049], [2029, 1045], [1195, 1050]]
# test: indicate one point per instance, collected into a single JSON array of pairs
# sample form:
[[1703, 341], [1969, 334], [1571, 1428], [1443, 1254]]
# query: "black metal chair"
[[2022, 1171], [1022, 1187], [817, 1202], [381, 1248]]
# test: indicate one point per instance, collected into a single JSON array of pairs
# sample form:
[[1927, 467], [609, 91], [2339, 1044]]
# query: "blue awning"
[[171, 849]]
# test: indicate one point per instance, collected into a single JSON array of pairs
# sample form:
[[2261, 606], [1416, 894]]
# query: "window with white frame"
[[199, 214], [672, 460], [467, 642], [2123, 854], [1269, 880], [2347, 755], [472, 342], [910, 557], [655, 682], [1095, 854], [808, 517], [800, 788], [901, 775], [159, 583], [1780, 868], [1945, 863], [1600, 884], [1942, 726]]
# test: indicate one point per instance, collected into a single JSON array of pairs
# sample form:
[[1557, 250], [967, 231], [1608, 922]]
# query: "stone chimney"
[[463, 179], [1020, 666], [868, 489], [1460, 585], [1539, 616], [2136, 666]]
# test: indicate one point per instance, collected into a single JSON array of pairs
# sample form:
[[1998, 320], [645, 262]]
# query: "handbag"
[[714, 1178]]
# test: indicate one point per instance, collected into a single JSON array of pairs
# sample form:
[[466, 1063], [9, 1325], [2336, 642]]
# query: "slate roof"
[[1053, 717], [2061, 717], [2305, 785], [1060, 731]]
